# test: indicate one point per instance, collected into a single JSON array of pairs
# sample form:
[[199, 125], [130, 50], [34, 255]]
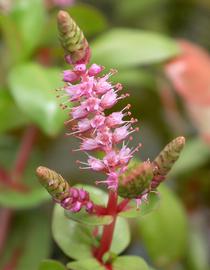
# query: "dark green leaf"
[[86, 17], [14, 117], [32, 87], [126, 47], [51, 265], [164, 231], [129, 262], [146, 207], [87, 264], [17, 199], [29, 239]]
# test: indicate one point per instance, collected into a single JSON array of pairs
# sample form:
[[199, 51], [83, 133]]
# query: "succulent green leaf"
[[51, 265], [28, 230], [122, 48], [164, 231], [89, 219], [145, 208], [15, 118], [74, 239], [32, 88], [129, 262], [87, 264]]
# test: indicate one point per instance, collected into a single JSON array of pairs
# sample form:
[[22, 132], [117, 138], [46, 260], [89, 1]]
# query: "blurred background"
[[160, 48]]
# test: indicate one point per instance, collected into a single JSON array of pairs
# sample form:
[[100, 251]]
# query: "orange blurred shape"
[[190, 75]]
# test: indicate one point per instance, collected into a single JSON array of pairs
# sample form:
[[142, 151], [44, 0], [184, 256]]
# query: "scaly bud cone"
[[72, 39], [54, 183], [168, 156], [135, 180]]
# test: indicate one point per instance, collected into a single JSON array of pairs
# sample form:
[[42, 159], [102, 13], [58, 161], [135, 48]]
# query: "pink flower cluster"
[[98, 131], [77, 199]]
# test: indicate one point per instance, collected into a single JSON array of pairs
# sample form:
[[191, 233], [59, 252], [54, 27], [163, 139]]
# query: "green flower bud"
[[54, 183], [135, 180], [72, 39], [168, 156]]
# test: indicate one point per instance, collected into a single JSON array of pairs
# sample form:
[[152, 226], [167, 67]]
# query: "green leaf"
[[98, 196], [197, 249], [87, 264], [190, 159], [164, 232], [32, 87], [29, 19], [29, 239], [86, 17], [126, 47], [15, 117], [121, 237], [77, 240], [74, 239], [129, 262], [17, 199], [89, 219], [146, 207], [51, 265]]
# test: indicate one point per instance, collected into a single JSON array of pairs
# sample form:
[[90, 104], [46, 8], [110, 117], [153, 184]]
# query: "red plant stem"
[[4, 176], [24, 152], [108, 230], [13, 263], [5, 217], [121, 206]]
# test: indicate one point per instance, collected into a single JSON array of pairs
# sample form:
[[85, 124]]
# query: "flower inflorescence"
[[98, 131]]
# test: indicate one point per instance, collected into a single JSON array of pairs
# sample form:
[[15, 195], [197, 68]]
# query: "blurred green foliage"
[[138, 38]]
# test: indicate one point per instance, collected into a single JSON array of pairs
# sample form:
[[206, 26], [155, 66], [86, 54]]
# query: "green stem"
[[108, 230]]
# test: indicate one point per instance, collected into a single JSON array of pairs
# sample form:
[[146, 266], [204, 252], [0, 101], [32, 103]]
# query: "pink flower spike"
[[98, 121], [96, 164], [84, 125], [80, 69], [76, 207], [120, 133], [125, 155], [70, 76], [79, 112], [92, 104], [111, 181], [89, 144], [89, 207], [95, 70], [109, 99], [102, 86], [111, 159]]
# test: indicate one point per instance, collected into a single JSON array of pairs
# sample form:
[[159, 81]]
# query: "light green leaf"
[[29, 19], [121, 238], [14, 117], [164, 231], [30, 238], [127, 47], [129, 262], [146, 207], [195, 154], [89, 219], [32, 87], [51, 265], [74, 239], [87, 264], [86, 17]]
